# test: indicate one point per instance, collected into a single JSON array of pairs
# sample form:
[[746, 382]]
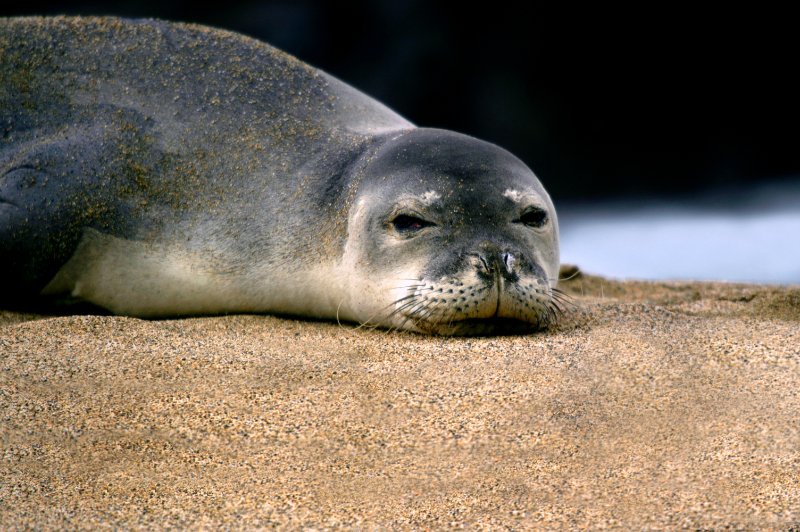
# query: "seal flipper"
[[35, 236], [51, 189]]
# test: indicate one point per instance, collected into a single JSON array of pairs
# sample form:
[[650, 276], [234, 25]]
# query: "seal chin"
[[469, 306]]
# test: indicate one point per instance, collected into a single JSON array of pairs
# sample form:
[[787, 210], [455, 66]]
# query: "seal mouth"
[[479, 311], [486, 327]]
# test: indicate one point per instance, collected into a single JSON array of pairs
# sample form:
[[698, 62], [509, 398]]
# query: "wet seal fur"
[[159, 169]]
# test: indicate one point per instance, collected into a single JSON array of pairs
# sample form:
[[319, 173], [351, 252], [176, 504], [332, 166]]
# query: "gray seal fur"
[[160, 169]]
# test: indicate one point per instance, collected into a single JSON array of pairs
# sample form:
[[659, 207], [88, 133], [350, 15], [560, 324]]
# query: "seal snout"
[[496, 265], [489, 288]]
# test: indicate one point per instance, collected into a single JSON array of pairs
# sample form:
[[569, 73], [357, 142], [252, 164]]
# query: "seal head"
[[451, 235]]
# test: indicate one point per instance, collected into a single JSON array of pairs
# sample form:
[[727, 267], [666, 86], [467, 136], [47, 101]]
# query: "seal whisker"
[[404, 298], [338, 307], [413, 315], [427, 314], [409, 315], [407, 310], [573, 275], [562, 298], [410, 286], [411, 297], [410, 308]]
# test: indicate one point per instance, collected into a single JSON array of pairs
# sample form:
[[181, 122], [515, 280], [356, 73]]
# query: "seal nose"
[[494, 263], [509, 261]]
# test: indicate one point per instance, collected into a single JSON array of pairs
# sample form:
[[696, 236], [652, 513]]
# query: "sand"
[[652, 405]]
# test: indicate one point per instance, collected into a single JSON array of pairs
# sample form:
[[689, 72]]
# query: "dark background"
[[659, 101]]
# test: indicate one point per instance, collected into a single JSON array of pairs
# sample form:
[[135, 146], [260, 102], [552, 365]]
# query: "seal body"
[[159, 169]]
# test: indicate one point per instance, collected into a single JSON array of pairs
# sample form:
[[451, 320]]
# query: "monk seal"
[[160, 169]]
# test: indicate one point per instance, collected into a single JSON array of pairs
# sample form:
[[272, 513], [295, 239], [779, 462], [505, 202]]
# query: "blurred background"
[[667, 135]]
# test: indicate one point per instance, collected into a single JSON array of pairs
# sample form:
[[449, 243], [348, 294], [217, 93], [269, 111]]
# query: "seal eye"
[[533, 217], [405, 223]]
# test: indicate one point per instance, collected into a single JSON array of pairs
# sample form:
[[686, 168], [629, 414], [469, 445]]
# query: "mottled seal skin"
[[158, 169]]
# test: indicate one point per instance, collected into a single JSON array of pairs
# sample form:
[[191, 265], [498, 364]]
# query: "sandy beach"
[[660, 405]]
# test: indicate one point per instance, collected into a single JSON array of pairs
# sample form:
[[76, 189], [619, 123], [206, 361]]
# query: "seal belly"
[[151, 280], [141, 278]]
